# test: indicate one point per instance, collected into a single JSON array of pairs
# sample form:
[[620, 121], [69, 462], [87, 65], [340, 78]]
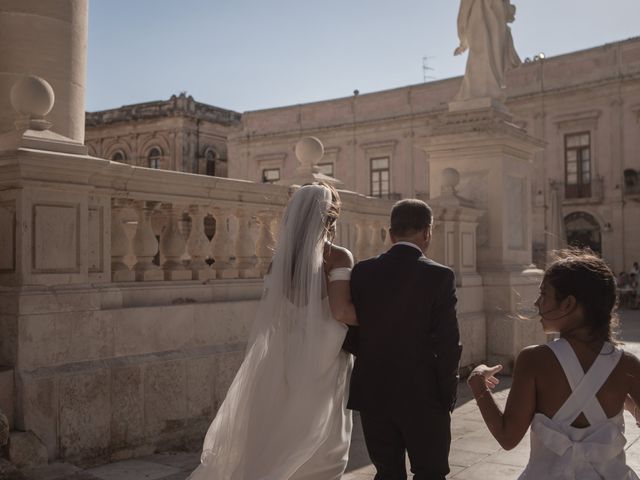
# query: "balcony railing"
[[592, 193]]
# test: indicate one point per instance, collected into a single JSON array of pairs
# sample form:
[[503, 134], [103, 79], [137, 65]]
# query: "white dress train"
[[562, 452], [284, 416]]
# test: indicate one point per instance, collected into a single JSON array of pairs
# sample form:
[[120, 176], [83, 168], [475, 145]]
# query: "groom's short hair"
[[410, 216]]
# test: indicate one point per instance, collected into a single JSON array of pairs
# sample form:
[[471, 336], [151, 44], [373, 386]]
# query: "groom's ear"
[[427, 234], [392, 236]]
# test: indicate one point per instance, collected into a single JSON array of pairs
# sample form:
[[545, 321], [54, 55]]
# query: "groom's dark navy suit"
[[407, 351]]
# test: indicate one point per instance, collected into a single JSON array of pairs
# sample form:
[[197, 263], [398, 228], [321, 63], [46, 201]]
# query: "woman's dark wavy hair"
[[581, 273]]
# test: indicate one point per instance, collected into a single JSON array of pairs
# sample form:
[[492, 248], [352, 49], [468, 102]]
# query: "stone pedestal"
[[493, 157]]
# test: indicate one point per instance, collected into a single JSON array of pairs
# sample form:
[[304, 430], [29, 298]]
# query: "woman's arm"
[[509, 427], [339, 291], [632, 401]]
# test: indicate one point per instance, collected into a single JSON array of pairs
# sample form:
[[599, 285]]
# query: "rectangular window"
[[380, 177], [326, 169], [270, 175], [154, 163], [577, 159]]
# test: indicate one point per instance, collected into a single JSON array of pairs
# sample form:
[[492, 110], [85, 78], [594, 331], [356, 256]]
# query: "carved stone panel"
[[56, 245], [7, 237], [96, 239]]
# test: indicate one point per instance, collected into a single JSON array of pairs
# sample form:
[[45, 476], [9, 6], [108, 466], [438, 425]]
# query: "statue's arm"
[[463, 19]]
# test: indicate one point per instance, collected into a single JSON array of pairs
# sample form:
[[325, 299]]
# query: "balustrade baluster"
[[172, 246], [145, 244], [245, 246], [120, 244], [266, 242], [198, 245], [221, 245]]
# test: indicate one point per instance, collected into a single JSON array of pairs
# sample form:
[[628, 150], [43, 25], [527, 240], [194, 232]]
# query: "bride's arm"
[[509, 427], [339, 291]]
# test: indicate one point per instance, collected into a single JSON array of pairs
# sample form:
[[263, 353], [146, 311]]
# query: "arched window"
[[583, 231], [119, 156], [154, 157], [210, 160]]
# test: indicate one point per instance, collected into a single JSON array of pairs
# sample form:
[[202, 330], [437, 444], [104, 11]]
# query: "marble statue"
[[483, 30]]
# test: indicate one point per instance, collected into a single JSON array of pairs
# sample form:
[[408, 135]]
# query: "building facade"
[[584, 105], [179, 134]]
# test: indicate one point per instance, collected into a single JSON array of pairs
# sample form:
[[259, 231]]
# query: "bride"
[[284, 416]]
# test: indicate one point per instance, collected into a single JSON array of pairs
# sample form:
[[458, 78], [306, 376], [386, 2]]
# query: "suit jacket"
[[407, 344]]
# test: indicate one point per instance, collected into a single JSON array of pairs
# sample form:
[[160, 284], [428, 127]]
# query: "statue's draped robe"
[[483, 29]]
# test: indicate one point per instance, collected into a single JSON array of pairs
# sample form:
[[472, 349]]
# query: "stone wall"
[[97, 385]]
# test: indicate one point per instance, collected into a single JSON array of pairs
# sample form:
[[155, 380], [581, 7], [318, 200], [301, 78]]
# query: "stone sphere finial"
[[32, 96], [450, 178], [309, 150]]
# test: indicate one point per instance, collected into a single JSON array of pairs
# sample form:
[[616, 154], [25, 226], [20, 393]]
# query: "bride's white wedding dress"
[[284, 416], [560, 451]]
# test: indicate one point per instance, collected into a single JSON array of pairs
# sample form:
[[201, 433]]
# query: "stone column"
[[493, 157], [48, 39]]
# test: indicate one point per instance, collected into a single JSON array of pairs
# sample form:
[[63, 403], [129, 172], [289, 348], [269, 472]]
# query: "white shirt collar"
[[409, 244]]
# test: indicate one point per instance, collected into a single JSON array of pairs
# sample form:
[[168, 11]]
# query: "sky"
[[253, 54]]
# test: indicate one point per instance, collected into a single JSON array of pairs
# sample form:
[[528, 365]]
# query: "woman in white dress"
[[571, 391], [284, 416]]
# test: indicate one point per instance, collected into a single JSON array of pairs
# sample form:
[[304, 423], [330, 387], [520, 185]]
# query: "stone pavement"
[[475, 455]]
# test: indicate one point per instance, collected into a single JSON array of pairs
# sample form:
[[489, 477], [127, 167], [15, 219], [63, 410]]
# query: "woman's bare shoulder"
[[535, 357], [630, 363], [338, 256]]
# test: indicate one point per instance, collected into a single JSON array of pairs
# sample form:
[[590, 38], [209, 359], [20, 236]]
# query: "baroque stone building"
[[585, 105], [178, 134]]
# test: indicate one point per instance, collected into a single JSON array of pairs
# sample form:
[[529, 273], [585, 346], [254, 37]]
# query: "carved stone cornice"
[[176, 106]]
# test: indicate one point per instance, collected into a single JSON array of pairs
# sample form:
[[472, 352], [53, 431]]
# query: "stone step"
[[7, 394]]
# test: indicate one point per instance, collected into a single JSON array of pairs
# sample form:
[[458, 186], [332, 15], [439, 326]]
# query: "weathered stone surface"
[[4, 429], [152, 330], [40, 410], [218, 324], [127, 406], [7, 401], [84, 336], [54, 471], [165, 408], [85, 415], [26, 450], [9, 471], [201, 381]]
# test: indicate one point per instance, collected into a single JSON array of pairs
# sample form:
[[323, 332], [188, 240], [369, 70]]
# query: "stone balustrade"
[[242, 233]]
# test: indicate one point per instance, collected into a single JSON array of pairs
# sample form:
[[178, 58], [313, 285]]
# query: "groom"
[[407, 351]]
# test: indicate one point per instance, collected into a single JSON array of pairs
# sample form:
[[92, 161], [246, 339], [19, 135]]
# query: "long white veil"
[[279, 406]]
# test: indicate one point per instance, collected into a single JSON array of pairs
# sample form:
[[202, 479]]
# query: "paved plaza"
[[474, 452]]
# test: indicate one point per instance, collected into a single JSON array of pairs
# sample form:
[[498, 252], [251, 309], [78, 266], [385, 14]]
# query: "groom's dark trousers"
[[407, 349]]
